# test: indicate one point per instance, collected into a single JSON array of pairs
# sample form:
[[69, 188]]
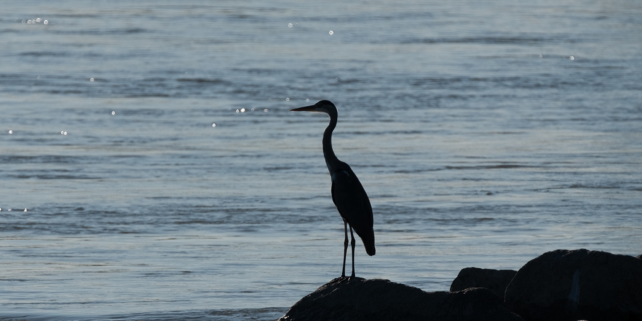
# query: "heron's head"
[[324, 106]]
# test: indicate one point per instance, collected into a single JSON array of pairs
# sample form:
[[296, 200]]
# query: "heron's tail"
[[369, 242], [371, 249]]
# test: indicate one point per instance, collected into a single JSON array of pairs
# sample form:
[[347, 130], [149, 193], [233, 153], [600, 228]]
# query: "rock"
[[578, 284], [639, 256], [378, 300], [494, 280]]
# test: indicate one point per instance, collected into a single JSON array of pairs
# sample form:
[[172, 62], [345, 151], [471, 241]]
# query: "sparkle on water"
[[472, 152]]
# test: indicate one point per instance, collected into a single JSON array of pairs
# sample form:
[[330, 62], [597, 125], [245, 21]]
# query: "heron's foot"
[[347, 278], [341, 279]]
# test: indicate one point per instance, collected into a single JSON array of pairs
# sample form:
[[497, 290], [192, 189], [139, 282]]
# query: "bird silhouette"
[[348, 194]]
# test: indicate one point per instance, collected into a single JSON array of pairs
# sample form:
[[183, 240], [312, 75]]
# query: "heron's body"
[[348, 194]]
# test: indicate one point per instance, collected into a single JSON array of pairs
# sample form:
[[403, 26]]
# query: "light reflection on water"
[[481, 142]]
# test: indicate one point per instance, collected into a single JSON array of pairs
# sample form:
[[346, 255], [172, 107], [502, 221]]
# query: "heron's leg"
[[345, 249], [352, 250]]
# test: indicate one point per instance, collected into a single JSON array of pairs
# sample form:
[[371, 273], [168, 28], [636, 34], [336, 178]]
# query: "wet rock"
[[494, 280], [378, 300], [578, 284]]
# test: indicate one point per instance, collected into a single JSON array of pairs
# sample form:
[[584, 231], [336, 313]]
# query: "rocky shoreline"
[[557, 285]]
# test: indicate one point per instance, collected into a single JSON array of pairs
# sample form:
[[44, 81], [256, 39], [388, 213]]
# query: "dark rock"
[[494, 280], [373, 300], [578, 284]]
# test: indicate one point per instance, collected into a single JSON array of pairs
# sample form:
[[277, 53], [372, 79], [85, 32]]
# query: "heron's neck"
[[330, 159]]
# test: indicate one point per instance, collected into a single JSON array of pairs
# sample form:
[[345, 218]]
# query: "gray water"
[[154, 171]]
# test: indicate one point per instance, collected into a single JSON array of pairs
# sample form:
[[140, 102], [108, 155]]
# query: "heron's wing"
[[352, 201]]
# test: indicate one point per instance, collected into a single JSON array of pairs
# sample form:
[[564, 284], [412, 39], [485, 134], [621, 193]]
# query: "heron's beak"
[[312, 108]]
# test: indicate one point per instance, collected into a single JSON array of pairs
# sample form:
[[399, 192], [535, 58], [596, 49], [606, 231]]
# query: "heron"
[[348, 194]]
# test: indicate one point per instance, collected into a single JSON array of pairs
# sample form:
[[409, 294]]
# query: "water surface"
[[164, 177]]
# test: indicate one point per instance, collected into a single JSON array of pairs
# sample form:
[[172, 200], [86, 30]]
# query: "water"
[[484, 134]]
